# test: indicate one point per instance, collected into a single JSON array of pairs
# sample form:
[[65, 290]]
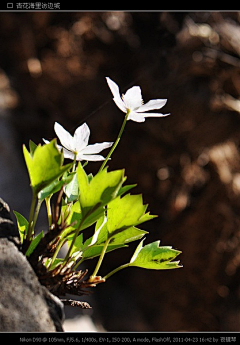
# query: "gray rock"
[[25, 305]]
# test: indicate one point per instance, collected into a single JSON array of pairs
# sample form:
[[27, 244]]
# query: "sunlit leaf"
[[126, 212], [97, 192], [154, 257], [34, 243], [55, 186], [44, 165], [122, 237], [71, 189], [22, 225]]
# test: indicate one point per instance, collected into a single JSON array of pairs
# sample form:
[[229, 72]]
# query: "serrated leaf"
[[22, 225], [125, 189], [154, 257], [125, 236], [44, 165], [97, 192], [126, 212]]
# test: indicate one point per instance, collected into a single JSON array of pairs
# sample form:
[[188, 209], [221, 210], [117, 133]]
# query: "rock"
[[25, 305]]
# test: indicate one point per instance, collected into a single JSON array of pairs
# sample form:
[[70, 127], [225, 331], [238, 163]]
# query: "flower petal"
[[46, 141], [64, 136], [153, 114], [67, 154], [81, 137], [116, 94], [95, 158], [137, 117], [96, 148], [153, 104], [133, 98], [140, 117]]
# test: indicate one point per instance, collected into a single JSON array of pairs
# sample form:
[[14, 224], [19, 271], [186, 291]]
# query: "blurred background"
[[53, 68]]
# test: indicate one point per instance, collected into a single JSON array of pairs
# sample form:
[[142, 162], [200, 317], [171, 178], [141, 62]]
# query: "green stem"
[[49, 210], [73, 241], [37, 209], [100, 259], [59, 246], [74, 163], [116, 142], [115, 271], [31, 215]]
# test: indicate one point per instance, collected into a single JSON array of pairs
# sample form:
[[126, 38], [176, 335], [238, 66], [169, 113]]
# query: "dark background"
[[53, 68]]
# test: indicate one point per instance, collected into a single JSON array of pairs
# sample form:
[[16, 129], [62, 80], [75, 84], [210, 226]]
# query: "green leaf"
[[71, 189], [22, 225], [74, 218], [34, 243], [55, 186], [125, 236], [89, 249], [125, 189], [126, 212], [154, 257], [32, 147], [96, 250], [78, 244], [44, 165], [128, 235], [97, 192]]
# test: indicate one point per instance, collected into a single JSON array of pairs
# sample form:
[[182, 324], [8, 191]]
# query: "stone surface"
[[25, 305]]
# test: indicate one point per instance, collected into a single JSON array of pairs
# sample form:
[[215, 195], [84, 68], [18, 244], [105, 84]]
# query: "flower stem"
[[100, 259], [115, 271], [116, 142], [74, 162]]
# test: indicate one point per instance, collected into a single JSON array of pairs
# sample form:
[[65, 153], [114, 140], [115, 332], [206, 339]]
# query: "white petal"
[[153, 104], [46, 141], [133, 98], [137, 117], [67, 154], [81, 137], [96, 148], [120, 104], [95, 158], [116, 94], [154, 114], [64, 136]]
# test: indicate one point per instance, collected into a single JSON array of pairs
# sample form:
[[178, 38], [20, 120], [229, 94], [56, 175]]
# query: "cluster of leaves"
[[102, 202]]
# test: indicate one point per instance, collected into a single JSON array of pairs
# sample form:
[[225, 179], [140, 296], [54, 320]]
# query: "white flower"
[[132, 103], [78, 144]]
